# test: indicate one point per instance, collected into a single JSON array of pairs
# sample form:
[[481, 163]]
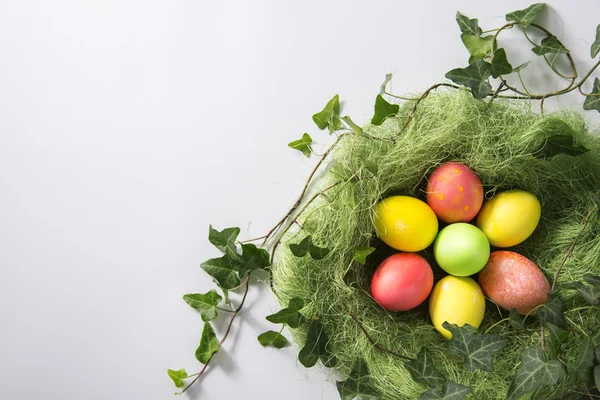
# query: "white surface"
[[127, 127]]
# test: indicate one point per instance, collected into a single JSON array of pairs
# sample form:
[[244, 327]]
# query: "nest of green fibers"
[[500, 141]]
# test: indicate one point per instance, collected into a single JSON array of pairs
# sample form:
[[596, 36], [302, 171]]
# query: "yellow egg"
[[405, 223], [456, 300], [509, 217]]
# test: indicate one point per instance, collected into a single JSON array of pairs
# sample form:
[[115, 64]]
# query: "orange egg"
[[454, 193]]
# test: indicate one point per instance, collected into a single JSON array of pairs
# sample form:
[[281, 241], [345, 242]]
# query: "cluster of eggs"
[[454, 195]]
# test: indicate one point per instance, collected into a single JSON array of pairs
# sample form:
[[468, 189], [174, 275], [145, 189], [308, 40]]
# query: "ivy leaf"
[[423, 371], [253, 258], [519, 68], [516, 321], [595, 49], [361, 253], [316, 347], [467, 25], [302, 144], [326, 116], [500, 64], [307, 246], [450, 391], [534, 372], [591, 294], [527, 16], [581, 367], [383, 109], [388, 78], [593, 280], [224, 240], [205, 304], [209, 344], [290, 315], [550, 44], [552, 312], [224, 270], [559, 144], [357, 129], [597, 351], [474, 77], [593, 102], [556, 336], [371, 166], [477, 348], [478, 46], [597, 376], [177, 376], [272, 338], [358, 385]]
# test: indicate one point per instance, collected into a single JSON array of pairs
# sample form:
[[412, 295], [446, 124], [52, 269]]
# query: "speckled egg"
[[511, 280], [456, 300], [454, 192]]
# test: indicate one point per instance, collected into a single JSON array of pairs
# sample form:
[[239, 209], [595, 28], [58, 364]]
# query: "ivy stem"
[[235, 314], [564, 260], [497, 323]]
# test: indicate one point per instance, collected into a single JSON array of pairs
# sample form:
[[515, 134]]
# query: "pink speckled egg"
[[514, 281], [454, 192]]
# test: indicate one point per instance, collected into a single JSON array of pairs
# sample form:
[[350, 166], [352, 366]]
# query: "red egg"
[[514, 281], [402, 281], [454, 192]]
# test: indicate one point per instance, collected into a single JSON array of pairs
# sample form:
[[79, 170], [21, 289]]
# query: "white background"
[[127, 127]]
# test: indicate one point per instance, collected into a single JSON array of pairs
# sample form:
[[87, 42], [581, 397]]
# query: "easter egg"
[[402, 281], [511, 280], [405, 223], [461, 249], [454, 192], [509, 217], [456, 300]]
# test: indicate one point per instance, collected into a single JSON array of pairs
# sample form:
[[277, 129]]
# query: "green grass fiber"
[[497, 141]]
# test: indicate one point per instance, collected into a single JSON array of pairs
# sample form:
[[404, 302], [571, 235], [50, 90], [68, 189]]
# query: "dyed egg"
[[405, 223], [514, 281], [402, 281], [457, 301], [454, 192], [461, 249], [509, 217]]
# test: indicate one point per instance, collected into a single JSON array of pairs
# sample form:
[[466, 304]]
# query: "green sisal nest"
[[502, 142]]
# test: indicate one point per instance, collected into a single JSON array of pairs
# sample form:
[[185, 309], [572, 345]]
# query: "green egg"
[[461, 249]]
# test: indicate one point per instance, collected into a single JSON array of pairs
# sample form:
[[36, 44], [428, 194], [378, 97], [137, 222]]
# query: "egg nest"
[[500, 141]]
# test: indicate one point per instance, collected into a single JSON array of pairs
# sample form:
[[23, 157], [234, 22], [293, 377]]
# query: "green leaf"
[[224, 240], [474, 77], [361, 253], [450, 391], [177, 376], [477, 348], [302, 144], [423, 371], [591, 294], [550, 44], [556, 337], [559, 144], [467, 25], [253, 258], [593, 280], [357, 129], [500, 64], [534, 372], [358, 384], [516, 321], [582, 366], [388, 78], [527, 16], [552, 312], [290, 315], [371, 166], [478, 46], [597, 352], [205, 304], [519, 68], [595, 49], [597, 376], [326, 116], [383, 109], [272, 338], [593, 102], [209, 344], [316, 347], [224, 270], [307, 246]]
